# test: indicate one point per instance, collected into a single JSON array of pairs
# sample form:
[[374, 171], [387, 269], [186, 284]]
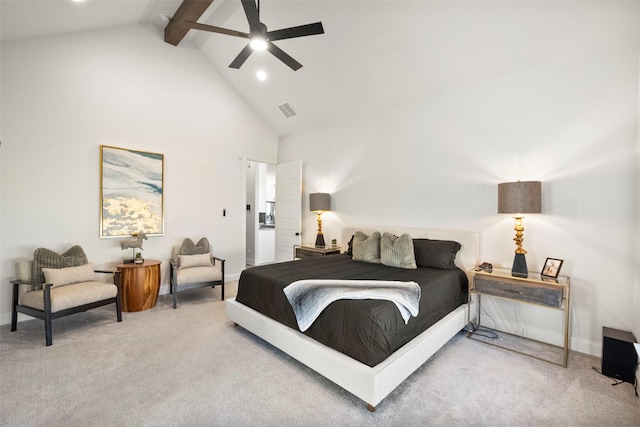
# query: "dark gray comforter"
[[366, 330]]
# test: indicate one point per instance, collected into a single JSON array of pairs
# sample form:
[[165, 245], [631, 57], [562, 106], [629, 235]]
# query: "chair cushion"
[[188, 276], [63, 297], [42, 257], [69, 275], [190, 261], [23, 272]]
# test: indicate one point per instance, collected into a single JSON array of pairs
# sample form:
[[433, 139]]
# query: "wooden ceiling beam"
[[189, 10]]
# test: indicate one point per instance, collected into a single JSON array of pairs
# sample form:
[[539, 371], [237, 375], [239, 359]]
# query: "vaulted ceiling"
[[374, 55]]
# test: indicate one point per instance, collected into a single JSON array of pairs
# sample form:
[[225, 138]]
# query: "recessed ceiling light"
[[262, 75]]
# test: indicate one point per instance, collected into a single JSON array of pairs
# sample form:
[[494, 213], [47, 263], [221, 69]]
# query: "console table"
[[535, 289], [139, 284]]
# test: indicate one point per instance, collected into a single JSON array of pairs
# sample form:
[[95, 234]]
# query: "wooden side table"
[[302, 251], [139, 284], [535, 289]]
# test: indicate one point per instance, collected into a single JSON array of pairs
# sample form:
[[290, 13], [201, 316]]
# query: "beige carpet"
[[192, 366]]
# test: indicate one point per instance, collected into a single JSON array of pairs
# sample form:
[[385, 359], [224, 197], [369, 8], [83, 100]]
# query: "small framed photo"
[[551, 267]]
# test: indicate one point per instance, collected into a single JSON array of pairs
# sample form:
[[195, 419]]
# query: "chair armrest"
[[26, 282], [38, 285], [215, 258], [41, 284]]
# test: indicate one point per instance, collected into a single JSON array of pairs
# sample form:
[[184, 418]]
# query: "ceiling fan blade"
[[242, 56], [251, 10], [212, 29], [300, 31], [284, 57]]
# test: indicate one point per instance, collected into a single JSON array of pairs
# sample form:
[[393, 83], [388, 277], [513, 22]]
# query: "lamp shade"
[[520, 197], [319, 202]]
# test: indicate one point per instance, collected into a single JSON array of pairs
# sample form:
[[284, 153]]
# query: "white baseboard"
[[5, 319]]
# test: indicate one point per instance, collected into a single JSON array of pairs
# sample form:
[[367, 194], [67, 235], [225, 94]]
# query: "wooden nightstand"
[[302, 251], [536, 289]]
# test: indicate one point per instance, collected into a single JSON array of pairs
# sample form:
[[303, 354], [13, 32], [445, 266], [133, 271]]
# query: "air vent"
[[287, 110]]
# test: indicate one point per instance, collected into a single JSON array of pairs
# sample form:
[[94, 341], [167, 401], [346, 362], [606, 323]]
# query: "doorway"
[[261, 213]]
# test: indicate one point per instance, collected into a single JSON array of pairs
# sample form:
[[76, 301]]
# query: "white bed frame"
[[371, 384]]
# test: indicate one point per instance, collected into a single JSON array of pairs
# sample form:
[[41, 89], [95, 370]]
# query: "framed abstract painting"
[[131, 192]]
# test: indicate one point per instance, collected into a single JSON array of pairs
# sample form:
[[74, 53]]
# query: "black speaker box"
[[619, 357]]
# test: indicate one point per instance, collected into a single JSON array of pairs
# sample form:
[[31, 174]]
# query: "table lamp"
[[318, 203], [519, 198]]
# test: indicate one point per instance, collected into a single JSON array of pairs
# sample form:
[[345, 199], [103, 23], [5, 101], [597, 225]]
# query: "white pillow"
[[200, 260], [69, 275]]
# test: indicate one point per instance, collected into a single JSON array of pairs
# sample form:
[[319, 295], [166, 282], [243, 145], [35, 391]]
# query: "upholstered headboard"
[[466, 259]]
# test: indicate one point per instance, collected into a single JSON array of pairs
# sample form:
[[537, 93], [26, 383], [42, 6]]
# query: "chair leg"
[[173, 284], [119, 307], [222, 287], [116, 281], [48, 333], [14, 308]]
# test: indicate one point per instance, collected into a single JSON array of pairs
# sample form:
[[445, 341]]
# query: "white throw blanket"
[[310, 297]]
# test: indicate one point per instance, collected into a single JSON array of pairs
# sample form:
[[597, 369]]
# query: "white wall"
[[436, 163], [64, 96], [636, 293]]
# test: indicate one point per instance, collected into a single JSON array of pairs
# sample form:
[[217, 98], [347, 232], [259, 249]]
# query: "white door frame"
[[245, 160]]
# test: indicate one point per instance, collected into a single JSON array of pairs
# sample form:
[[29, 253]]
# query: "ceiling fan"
[[260, 38]]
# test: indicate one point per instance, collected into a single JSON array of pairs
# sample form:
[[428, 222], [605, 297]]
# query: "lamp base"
[[320, 241], [519, 268]]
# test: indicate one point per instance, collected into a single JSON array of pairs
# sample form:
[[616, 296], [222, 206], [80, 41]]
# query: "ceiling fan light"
[[258, 42]]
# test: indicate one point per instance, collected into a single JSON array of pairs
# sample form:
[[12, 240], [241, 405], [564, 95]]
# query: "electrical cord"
[[618, 382], [475, 330], [486, 333]]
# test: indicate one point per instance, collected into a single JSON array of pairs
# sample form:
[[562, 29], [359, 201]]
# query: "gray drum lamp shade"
[[520, 197], [319, 202]]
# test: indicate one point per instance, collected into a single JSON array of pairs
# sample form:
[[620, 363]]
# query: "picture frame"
[[552, 267], [131, 192]]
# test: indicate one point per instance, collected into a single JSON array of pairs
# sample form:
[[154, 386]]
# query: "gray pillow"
[[366, 248], [46, 258], [439, 254], [190, 248], [397, 251]]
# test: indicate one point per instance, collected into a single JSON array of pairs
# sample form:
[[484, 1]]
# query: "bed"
[[389, 351]]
